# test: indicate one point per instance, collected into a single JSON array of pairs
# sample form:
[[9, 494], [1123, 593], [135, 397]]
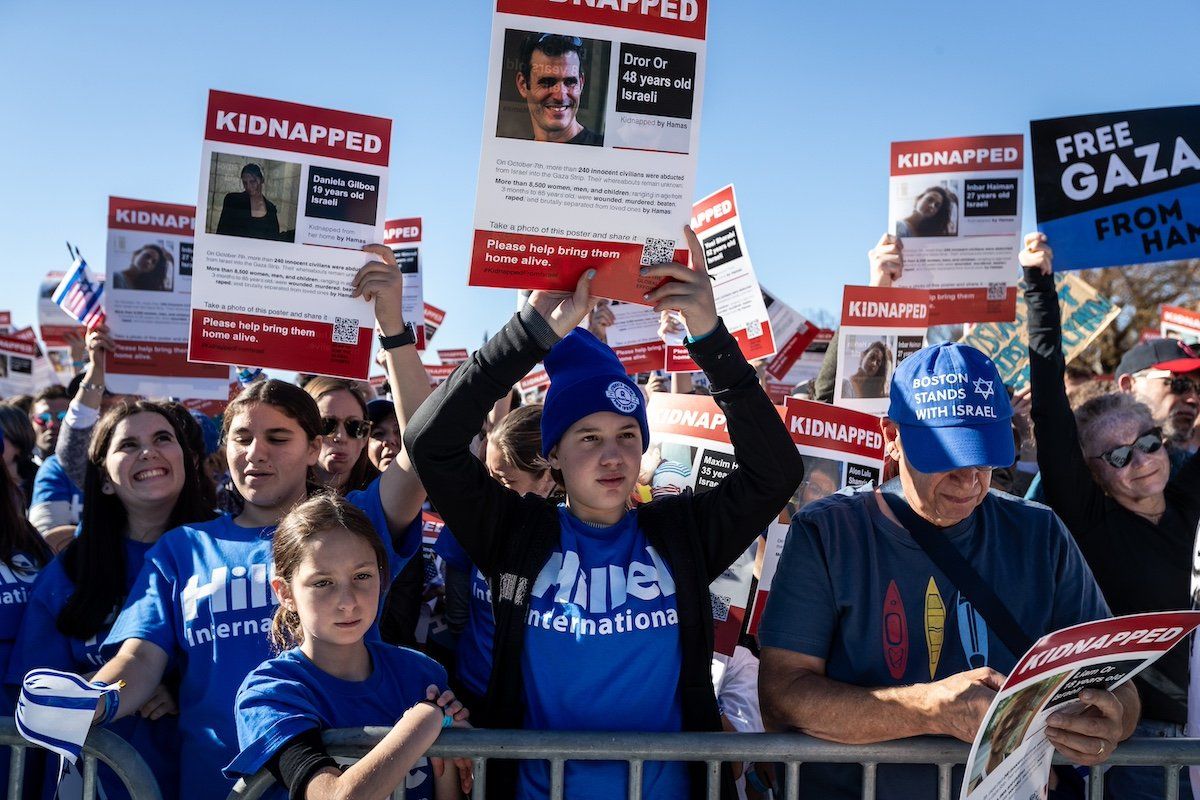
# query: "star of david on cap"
[[949, 410]]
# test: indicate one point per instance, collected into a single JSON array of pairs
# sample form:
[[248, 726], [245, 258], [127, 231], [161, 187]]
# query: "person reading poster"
[[404, 237], [1179, 323], [1085, 315], [147, 303], [289, 195], [690, 449], [735, 288], [841, 448], [955, 204], [880, 328], [633, 336], [590, 134], [793, 334], [1010, 757], [1118, 188]]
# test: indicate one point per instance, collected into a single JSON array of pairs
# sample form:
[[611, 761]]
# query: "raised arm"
[[477, 508], [1070, 489], [76, 432], [740, 507]]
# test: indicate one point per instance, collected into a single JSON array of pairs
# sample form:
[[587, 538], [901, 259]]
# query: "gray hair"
[[1099, 410]]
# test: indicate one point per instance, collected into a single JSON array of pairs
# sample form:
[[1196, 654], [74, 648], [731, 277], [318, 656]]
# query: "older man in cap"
[[1164, 374], [885, 619]]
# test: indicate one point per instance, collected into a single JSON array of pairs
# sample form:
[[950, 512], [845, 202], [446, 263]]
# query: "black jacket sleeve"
[[479, 510], [402, 605], [298, 761], [739, 508], [1068, 483]]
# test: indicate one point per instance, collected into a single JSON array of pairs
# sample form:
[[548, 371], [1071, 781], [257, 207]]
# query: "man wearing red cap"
[[1164, 374]]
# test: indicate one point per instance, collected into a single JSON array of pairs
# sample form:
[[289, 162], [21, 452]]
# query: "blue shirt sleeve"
[[399, 548], [149, 612], [451, 551], [270, 713], [1077, 596], [39, 642], [801, 613]]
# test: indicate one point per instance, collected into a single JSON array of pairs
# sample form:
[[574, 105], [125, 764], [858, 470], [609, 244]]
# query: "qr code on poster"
[[657, 251], [720, 606], [753, 329], [345, 330], [996, 291]]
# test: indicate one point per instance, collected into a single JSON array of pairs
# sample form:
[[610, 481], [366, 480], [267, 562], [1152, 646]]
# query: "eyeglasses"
[[1181, 385], [355, 428], [1150, 441], [45, 418], [574, 41]]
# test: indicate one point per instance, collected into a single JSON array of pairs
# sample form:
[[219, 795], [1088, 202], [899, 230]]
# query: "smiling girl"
[[328, 569]]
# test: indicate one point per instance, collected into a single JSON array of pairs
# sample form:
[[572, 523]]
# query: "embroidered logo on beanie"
[[624, 399]]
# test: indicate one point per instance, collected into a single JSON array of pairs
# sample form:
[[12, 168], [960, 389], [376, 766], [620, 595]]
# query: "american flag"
[[81, 296]]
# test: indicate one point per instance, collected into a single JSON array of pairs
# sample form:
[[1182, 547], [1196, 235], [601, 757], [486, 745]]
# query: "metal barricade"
[[101, 747], [791, 750]]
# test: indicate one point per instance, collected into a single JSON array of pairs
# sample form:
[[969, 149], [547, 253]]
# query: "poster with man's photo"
[[590, 132], [880, 328], [148, 301], [955, 205], [289, 195], [404, 237], [841, 448]]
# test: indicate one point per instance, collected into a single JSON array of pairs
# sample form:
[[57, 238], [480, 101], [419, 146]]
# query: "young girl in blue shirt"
[[329, 568]]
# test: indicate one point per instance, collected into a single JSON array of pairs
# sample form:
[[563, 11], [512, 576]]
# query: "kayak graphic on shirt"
[[895, 632], [973, 633], [935, 624]]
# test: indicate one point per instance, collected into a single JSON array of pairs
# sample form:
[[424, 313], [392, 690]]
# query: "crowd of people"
[[253, 580]]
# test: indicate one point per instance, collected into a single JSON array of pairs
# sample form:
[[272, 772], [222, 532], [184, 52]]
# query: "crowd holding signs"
[[652, 438]]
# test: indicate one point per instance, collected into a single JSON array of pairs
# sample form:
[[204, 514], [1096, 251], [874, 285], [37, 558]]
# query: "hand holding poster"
[[404, 237], [289, 195], [956, 206], [1010, 757], [148, 303], [840, 448], [1179, 323], [1085, 315], [740, 302], [880, 328], [591, 128], [1118, 188]]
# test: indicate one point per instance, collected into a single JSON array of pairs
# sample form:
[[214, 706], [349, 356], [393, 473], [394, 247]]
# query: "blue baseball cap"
[[952, 409]]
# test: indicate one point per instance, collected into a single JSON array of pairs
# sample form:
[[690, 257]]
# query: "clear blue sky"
[[802, 99]]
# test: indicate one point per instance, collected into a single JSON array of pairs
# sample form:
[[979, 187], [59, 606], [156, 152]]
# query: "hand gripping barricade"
[[790, 750]]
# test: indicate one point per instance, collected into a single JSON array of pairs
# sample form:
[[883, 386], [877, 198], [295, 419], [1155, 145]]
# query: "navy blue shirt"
[[474, 662], [854, 588]]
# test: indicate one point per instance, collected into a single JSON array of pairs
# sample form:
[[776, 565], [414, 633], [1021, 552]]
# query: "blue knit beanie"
[[587, 377]]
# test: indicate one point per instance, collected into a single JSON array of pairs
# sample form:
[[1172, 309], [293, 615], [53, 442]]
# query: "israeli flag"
[[55, 710]]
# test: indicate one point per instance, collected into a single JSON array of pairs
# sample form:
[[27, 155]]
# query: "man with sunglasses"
[[1164, 374], [872, 632], [46, 413], [1106, 473], [550, 78]]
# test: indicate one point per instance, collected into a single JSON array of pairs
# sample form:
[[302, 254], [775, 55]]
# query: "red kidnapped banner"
[[146, 215], [13, 344], [821, 425], [401, 231], [279, 125], [505, 260], [298, 345], [879, 307], [720, 206], [962, 154], [673, 17]]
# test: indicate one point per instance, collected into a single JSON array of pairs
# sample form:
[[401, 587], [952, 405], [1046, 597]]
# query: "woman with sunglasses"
[[1106, 473], [343, 464]]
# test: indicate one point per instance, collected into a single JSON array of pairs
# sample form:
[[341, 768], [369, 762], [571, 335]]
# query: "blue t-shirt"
[[602, 652], [204, 597], [40, 644], [16, 588], [289, 695], [475, 642], [854, 588], [55, 496]]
